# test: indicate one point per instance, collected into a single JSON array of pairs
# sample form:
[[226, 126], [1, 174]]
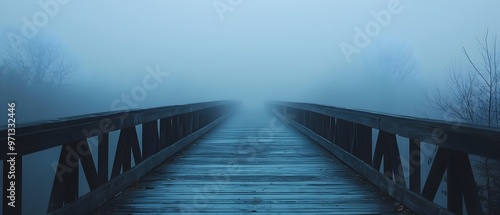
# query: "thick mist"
[[135, 54], [246, 50]]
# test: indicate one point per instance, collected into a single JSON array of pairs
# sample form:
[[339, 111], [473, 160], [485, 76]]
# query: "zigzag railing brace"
[[349, 137]]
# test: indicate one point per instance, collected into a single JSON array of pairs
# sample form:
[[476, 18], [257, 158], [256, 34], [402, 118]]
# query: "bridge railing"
[[165, 131], [348, 135]]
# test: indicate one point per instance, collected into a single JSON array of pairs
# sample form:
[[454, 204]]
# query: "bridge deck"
[[223, 172]]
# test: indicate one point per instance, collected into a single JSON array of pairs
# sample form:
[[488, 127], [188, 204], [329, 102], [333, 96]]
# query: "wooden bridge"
[[213, 158]]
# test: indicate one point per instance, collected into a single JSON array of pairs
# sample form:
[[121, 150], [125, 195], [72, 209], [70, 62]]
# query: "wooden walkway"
[[227, 172]]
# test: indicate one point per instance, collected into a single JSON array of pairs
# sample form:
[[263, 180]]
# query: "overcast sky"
[[253, 50]]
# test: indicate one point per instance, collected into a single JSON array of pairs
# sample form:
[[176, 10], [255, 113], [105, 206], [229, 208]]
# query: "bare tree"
[[474, 98], [397, 61], [39, 60]]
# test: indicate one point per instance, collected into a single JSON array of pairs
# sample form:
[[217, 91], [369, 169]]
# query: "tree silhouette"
[[396, 61], [40, 60], [474, 97]]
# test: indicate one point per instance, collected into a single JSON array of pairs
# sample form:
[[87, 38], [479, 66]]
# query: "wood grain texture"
[[251, 165]]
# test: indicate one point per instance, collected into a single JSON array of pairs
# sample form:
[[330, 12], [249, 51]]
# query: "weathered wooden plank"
[[229, 172], [415, 202]]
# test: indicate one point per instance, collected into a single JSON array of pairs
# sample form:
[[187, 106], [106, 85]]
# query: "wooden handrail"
[[463, 137], [43, 135], [348, 135], [165, 130]]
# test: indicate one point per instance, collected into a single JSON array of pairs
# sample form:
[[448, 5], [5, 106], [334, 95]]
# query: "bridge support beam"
[[415, 164]]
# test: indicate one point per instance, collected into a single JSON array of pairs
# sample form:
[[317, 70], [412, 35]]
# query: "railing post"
[[306, 118], [388, 165], [165, 132], [343, 134], [461, 183], [190, 123], [309, 119], [126, 158], [333, 130], [303, 117], [454, 193], [314, 122], [326, 125], [415, 165], [102, 158], [363, 142], [180, 127], [149, 138]]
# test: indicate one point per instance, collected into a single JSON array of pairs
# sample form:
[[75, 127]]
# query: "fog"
[[259, 50], [134, 54]]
